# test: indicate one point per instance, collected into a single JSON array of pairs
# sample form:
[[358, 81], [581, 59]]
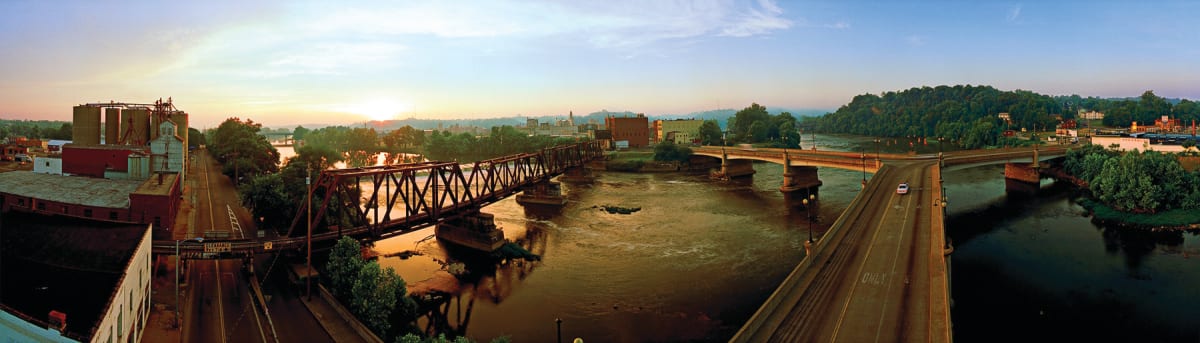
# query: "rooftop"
[[70, 189], [152, 187], [62, 264]]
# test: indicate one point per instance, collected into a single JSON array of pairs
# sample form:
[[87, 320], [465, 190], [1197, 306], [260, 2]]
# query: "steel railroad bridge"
[[402, 198]]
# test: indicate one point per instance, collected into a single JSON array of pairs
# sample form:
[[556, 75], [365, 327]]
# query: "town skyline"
[[287, 64]]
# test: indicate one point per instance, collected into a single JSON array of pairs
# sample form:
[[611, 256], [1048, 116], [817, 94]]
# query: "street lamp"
[[864, 169], [813, 199], [177, 258]]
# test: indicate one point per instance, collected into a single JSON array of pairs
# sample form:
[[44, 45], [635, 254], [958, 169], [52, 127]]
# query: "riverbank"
[[1177, 219]]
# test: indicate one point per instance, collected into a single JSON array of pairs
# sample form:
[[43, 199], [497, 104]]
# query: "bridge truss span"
[[385, 201]]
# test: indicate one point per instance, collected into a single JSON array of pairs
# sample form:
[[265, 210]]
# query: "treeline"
[[943, 111], [1139, 182], [969, 114], [36, 129], [755, 125], [503, 140], [1144, 110]]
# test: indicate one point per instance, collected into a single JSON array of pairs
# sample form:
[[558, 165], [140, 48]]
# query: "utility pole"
[[308, 235]]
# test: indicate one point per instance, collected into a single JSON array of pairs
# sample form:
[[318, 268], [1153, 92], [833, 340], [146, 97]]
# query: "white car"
[[902, 189]]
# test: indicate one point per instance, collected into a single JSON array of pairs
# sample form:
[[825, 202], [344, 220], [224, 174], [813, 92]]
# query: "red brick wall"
[[93, 162], [636, 130]]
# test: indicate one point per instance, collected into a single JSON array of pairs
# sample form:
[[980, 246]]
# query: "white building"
[[47, 165], [168, 152], [123, 319]]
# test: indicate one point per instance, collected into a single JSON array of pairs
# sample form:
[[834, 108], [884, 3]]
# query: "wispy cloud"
[[1014, 13], [915, 40]]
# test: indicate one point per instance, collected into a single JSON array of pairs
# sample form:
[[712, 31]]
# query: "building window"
[[112, 215], [156, 221], [87, 212], [64, 209], [40, 206]]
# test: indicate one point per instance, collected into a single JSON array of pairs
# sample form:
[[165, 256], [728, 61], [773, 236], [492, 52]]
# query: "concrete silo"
[[136, 123], [112, 126], [85, 129]]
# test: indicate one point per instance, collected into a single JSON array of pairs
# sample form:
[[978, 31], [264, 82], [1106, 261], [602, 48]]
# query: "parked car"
[[902, 189]]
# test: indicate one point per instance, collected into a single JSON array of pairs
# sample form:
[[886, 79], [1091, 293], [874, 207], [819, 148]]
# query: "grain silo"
[[180, 119], [156, 120], [112, 125], [136, 123], [85, 128]]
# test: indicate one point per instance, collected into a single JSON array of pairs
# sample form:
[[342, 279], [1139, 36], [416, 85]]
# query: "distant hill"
[[720, 115]]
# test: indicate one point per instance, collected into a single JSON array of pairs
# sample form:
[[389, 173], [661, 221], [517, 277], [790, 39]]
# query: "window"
[[87, 212], [64, 209], [112, 215], [41, 206]]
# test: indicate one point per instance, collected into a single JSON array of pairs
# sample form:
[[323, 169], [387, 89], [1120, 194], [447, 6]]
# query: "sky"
[[284, 63]]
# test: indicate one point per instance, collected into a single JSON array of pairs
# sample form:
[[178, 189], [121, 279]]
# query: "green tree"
[[741, 122], [266, 197], [669, 151], [345, 262], [299, 132], [789, 136], [243, 152], [196, 138], [710, 133], [373, 296]]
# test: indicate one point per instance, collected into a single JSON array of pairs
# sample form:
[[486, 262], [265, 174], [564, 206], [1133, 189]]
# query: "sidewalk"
[[334, 324], [160, 324]]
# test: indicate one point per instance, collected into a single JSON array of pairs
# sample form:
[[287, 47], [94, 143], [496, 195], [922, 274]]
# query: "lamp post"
[[812, 198], [197, 239], [864, 169], [308, 238]]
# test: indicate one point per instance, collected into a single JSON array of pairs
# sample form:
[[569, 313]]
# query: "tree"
[[710, 133], [195, 138], [345, 262], [373, 296], [299, 132], [243, 152], [741, 122], [269, 203], [789, 135], [669, 151]]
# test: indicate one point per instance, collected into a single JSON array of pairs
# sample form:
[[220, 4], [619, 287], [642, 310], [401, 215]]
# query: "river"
[[701, 256]]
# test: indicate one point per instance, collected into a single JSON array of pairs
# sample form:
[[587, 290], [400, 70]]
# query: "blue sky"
[[286, 63]]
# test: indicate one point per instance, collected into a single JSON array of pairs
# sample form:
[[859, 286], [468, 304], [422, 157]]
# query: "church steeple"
[[571, 117]]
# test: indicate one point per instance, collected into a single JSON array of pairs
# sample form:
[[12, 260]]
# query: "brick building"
[[634, 130]]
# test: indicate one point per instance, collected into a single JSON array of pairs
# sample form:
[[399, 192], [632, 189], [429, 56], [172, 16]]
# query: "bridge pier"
[[800, 177], [542, 193], [737, 168], [475, 230], [577, 174], [1023, 172]]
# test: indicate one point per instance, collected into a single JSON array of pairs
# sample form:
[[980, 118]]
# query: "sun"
[[380, 109]]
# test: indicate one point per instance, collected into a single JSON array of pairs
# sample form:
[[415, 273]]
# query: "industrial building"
[[678, 131], [629, 132], [132, 174]]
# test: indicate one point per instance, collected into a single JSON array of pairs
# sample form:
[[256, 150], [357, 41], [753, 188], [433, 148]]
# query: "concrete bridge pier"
[[542, 193], [800, 177], [577, 174], [476, 230], [1024, 172], [737, 168]]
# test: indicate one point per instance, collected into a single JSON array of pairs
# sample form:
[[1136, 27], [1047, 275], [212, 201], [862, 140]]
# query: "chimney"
[[160, 178]]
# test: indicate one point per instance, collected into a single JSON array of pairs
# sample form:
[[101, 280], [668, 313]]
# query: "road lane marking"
[[220, 302], [845, 307], [887, 295]]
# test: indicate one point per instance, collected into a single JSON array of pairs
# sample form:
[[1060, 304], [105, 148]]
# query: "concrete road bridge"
[[880, 273], [401, 199]]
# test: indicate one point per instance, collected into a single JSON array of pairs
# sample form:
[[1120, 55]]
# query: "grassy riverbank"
[[1173, 219]]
